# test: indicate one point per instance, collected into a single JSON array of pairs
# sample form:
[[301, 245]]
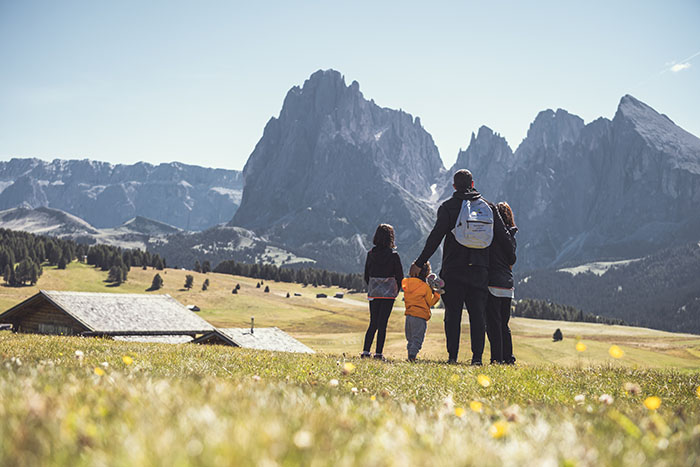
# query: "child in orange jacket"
[[418, 297]]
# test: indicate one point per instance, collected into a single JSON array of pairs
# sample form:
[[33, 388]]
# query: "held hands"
[[414, 271]]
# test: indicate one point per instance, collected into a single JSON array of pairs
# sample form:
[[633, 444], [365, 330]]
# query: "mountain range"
[[611, 189], [333, 165], [137, 232], [104, 195]]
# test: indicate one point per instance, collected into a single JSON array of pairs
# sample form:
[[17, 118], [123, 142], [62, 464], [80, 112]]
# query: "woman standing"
[[383, 275], [501, 292]]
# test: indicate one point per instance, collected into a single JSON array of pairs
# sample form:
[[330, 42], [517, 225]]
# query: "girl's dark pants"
[[379, 311], [497, 317]]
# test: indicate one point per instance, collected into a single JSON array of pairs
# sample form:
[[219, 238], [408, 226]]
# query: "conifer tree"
[[115, 275], [7, 274], [157, 282], [189, 281]]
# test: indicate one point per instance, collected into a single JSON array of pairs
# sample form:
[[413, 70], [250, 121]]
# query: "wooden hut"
[[138, 316], [259, 338]]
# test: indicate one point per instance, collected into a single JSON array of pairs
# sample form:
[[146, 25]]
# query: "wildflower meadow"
[[87, 401]]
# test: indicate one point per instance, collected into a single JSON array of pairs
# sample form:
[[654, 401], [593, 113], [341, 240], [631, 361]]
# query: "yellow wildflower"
[[454, 378], [580, 346], [476, 406], [616, 352], [499, 429], [484, 380], [348, 368], [373, 397], [99, 371], [652, 402], [459, 411], [697, 391], [127, 360]]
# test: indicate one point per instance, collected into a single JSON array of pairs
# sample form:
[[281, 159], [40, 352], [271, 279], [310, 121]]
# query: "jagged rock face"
[[611, 189], [106, 195], [332, 167], [489, 158]]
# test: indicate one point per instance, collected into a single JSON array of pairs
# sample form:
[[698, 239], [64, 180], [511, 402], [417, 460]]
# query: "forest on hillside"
[[661, 291]]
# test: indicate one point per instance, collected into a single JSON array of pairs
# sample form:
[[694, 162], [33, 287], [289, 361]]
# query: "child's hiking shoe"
[[476, 362], [452, 361], [412, 358], [365, 354], [378, 356]]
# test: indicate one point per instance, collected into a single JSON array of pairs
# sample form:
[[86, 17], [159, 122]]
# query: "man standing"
[[464, 269]]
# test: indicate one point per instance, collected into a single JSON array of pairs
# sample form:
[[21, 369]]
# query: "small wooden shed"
[[104, 314], [259, 338]]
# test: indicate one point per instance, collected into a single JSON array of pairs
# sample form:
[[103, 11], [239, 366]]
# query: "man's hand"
[[414, 271]]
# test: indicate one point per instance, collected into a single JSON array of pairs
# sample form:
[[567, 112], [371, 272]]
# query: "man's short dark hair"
[[463, 180]]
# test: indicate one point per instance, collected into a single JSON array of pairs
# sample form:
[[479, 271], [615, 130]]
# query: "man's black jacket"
[[456, 258]]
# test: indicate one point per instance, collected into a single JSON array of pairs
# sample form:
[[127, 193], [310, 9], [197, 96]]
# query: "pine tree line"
[[304, 276], [542, 309], [22, 255]]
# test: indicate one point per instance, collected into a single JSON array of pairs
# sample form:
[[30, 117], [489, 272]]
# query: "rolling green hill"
[[337, 326]]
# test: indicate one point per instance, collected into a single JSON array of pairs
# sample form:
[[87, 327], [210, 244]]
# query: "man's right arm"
[[442, 227]]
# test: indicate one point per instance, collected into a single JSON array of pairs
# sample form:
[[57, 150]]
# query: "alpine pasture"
[[627, 396]]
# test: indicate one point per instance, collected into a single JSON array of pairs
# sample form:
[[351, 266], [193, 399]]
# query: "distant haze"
[[196, 82]]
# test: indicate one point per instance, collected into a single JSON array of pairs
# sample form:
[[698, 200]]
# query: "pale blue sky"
[[196, 81]]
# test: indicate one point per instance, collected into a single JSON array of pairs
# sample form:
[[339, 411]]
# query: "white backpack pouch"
[[474, 228]]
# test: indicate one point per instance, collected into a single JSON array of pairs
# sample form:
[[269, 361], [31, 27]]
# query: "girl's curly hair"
[[384, 236]]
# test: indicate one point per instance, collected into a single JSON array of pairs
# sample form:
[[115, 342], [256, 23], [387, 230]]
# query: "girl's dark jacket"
[[383, 262], [501, 259]]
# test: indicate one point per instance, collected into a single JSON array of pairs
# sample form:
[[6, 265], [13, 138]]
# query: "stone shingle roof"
[[156, 339], [107, 313], [262, 339]]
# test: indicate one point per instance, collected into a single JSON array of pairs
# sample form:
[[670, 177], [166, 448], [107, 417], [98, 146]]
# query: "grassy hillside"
[[85, 401], [337, 326]]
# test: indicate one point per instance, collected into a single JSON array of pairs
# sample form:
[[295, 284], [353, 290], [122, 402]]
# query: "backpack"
[[474, 228]]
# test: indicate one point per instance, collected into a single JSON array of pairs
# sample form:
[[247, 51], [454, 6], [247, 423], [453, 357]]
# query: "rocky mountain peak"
[[657, 130], [488, 157], [338, 165]]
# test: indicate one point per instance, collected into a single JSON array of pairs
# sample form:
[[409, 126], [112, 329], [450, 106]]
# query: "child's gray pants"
[[415, 333]]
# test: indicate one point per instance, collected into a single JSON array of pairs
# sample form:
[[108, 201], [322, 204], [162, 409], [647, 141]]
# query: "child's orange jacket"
[[418, 297]]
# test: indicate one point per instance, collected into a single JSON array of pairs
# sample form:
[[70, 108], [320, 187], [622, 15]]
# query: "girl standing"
[[383, 275]]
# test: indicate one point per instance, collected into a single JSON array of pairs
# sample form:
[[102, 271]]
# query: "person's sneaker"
[[452, 361], [476, 363], [365, 355], [412, 358], [379, 356]]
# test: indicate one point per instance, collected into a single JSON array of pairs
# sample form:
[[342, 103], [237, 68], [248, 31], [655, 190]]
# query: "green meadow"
[[86, 401]]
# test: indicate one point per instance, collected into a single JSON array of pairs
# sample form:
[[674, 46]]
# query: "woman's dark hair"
[[384, 236], [506, 214]]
